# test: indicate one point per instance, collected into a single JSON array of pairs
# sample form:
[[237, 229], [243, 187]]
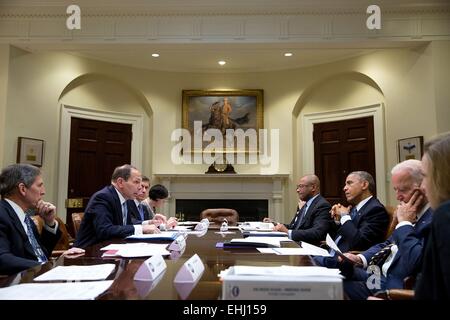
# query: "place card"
[[190, 271], [151, 268]]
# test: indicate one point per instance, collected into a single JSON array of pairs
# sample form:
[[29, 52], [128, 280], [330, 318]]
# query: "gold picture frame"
[[223, 109], [30, 151]]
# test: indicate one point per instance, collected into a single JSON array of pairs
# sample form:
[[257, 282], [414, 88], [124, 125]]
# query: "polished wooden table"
[[208, 287]]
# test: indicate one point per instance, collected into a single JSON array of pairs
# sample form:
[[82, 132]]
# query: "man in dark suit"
[[106, 216], [21, 246], [139, 211], [363, 223], [312, 220], [400, 255]]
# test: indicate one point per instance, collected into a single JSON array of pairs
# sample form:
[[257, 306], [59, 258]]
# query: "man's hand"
[[171, 223], [46, 211], [150, 228], [268, 220], [301, 203], [280, 227], [408, 211], [338, 210], [352, 257], [158, 219], [73, 253]]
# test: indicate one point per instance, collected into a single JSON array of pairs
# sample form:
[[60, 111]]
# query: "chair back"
[[76, 220], [65, 239], [218, 215]]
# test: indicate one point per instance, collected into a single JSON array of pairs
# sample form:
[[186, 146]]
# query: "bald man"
[[312, 220]]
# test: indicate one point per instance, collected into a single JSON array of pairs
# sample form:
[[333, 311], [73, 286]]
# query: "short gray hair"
[[15, 174], [364, 175], [413, 167]]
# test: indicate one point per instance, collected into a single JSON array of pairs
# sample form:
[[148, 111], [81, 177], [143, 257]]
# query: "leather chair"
[[76, 220], [64, 242], [392, 220], [407, 293], [219, 214]]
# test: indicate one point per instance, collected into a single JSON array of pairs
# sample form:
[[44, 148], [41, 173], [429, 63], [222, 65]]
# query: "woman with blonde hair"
[[434, 280]]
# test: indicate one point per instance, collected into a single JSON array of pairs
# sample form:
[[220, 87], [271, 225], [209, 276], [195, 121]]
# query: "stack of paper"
[[256, 226], [281, 283], [305, 249], [163, 236], [55, 291]]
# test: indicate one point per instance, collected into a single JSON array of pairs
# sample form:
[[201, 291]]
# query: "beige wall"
[[4, 71], [406, 79]]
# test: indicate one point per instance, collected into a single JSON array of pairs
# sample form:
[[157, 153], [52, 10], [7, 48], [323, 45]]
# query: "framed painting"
[[30, 151], [222, 110], [410, 148]]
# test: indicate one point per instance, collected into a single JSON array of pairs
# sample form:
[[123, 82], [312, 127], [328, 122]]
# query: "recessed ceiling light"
[[221, 62], [288, 54], [155, 55]]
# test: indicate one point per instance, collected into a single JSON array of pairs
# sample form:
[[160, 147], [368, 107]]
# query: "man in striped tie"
[[21, 246]]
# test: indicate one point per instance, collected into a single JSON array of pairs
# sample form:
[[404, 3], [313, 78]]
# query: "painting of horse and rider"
[[222, 110]]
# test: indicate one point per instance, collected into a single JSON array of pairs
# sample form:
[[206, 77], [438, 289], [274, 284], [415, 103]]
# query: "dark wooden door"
[[341, 147], [96, 148]]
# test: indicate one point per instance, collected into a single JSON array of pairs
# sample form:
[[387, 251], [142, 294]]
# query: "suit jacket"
[[16, 252], [103, 219], [316, 223], [408, 259], [134, 214], [366, 229], [434, 281]]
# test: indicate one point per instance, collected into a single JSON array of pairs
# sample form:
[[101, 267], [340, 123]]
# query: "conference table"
[[209, 287]]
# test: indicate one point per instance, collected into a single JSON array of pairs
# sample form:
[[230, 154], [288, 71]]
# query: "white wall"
[[406, 78]]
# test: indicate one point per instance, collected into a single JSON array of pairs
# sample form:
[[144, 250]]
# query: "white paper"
[[130, 250], [55, 291], [255, 226], [169, 235], [266, 250], [273, 241], [305, 250], [74, 273], [181, 228], [332, 244]]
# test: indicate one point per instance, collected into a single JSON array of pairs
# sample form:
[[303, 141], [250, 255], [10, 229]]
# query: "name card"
[[174, 254], [178, 244], [203, 225], [145, 287], [190, 271], [151, 268]]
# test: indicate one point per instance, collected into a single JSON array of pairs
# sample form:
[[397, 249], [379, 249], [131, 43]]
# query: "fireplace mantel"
[[226, 186]]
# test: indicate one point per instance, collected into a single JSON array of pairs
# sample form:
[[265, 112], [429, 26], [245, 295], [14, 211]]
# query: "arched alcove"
[[337, 97], [104, 98]]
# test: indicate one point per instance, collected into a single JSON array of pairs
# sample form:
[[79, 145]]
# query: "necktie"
[[141, 211], [34, 243], [300, 217], [124, 213], [353, 213], [380, 257]]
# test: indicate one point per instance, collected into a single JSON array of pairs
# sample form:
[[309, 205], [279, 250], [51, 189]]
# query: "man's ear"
[[365, 185], [22, 188]]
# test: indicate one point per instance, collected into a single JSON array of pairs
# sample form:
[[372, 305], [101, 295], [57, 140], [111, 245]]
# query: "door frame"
[[376, 111], [67, 112]]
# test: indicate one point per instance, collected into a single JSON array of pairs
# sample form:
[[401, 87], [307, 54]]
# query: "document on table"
[[133, 250], [256, 242], [291, 271], [75, 273], [55, 291], [305, 250], [163, 236]]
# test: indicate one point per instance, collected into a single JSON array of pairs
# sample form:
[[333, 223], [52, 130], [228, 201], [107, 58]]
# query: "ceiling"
[[203, 57]]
